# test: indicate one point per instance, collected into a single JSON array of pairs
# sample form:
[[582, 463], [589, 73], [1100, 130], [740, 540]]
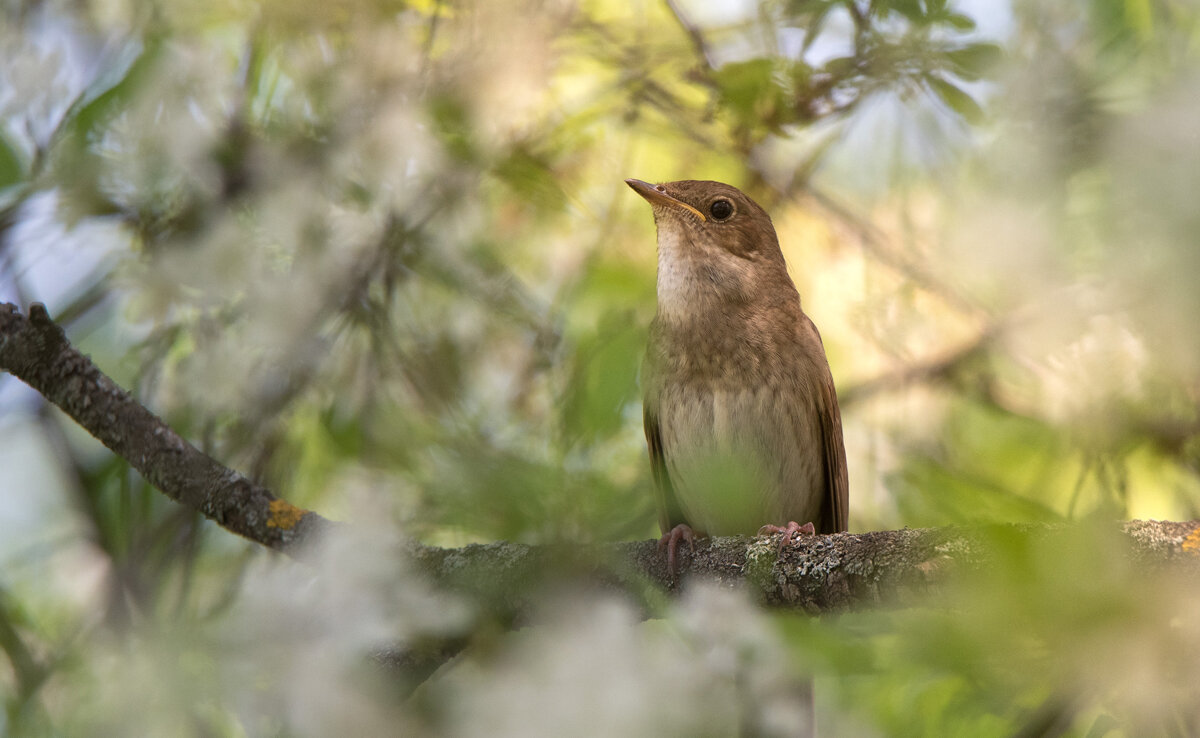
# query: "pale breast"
[[740, 459]]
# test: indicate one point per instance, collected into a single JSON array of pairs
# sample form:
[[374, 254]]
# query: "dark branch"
[[36, 350]]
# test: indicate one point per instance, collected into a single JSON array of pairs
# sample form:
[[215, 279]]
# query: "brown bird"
[[740, 412]]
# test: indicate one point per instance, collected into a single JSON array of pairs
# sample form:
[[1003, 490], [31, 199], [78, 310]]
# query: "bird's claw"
[[671, 539], [789, 530]]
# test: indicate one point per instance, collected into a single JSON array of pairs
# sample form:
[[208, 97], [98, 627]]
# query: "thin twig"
[[693, 32], [926, 371]]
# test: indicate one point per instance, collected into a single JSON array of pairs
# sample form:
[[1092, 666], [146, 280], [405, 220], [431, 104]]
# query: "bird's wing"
[[835, 512], [669, 512]]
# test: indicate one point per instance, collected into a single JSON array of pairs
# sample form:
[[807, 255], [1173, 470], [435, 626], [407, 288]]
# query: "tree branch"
[[816, 574], [36, 350]]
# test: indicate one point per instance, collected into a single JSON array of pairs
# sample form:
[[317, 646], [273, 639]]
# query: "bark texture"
[[817, 574]]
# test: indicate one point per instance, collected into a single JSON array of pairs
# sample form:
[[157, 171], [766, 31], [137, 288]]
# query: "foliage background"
[[378, 255]]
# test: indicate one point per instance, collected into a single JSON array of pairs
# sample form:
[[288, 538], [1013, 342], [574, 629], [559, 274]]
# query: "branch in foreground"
[[35, 350]]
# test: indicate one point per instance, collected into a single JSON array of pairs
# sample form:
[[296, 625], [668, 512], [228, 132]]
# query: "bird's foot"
[[671, 539], [789, 530]]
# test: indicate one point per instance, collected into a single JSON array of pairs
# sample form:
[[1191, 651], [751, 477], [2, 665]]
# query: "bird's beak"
[[658, 194]]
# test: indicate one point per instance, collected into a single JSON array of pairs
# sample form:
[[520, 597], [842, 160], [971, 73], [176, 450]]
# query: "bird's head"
[[717, 248]]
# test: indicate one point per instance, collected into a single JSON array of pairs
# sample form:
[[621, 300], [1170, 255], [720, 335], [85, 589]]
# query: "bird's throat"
[[688, 286]]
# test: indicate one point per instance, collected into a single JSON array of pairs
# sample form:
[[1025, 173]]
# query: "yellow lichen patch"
[[284, 514], [1192, 542]]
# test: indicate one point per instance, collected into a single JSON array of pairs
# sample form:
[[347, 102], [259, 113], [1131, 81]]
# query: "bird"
[[739, 407]]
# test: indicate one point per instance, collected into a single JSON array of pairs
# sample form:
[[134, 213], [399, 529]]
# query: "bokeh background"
[[379, 256]]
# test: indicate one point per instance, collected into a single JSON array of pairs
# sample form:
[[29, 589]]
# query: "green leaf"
[[910, 9], [532, 179], [929, 493], [454, 126], [814, 24], [744, 83], [97, 101], [1103, 725], [755, 93], [959, 21], [974, 61], [841, 66], [1139, 18], [604, 378], [12, 168], [955, 99]]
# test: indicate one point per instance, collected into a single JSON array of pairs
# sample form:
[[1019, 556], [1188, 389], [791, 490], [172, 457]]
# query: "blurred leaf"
[[991, 466], [1124, 21], [453, 126], [435, 368], [1139, 14], [959, 21], [604, 377], [493, 493], [974, 61], [12, 168], [345, 432], [1103, 726], [533, 180], [753, 92], [842, 66], [812, 16], [930, 494], [610, 282], [77, 165], [955, 99], [913, 10], [109, 91]]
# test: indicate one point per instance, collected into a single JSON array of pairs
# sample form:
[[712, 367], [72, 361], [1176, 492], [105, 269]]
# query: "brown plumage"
[[741, 416]]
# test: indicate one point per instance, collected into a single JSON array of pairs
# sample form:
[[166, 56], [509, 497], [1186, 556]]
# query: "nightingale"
[[740, 412]]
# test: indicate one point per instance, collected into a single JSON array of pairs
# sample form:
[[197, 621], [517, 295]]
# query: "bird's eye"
[[720, 209]]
